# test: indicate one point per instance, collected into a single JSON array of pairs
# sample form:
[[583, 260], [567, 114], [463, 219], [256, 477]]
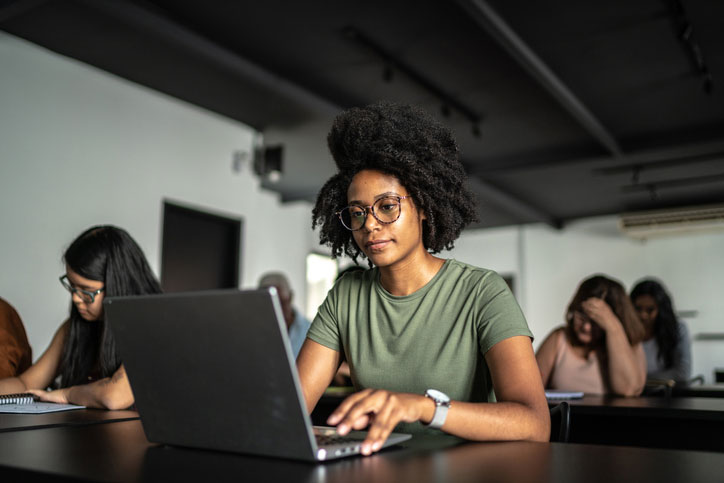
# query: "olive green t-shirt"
[[433, 338]]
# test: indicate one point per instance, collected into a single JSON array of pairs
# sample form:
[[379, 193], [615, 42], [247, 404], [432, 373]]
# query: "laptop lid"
[[213, 370]]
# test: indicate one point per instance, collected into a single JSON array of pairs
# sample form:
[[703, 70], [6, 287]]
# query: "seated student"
[[666, 341], [297, 324], [416, 330], [599, 350], [15, 352], [103, 261]]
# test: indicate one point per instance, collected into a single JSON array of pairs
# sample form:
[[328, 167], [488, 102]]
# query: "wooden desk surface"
[[120, 452], [77, 417]]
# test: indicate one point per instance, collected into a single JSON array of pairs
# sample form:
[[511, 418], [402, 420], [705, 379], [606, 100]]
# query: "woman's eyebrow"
[[80, 285], [377, 197]]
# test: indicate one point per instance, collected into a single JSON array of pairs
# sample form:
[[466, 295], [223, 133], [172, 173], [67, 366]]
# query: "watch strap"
[[440, 414]]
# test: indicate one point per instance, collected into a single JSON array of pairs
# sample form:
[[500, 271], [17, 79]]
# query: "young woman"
[[103, 261], [666, 342], [599, 350], [429, 342]]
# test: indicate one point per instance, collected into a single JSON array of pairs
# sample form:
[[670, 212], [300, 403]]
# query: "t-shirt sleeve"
[[325, 329], [500, 316]]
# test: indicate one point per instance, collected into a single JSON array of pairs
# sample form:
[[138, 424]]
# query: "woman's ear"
[[421, 214]]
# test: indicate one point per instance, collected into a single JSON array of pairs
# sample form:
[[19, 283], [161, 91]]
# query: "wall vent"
[[645, 224]]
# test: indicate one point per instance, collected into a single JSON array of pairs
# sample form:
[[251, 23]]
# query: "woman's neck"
[[410, 275]]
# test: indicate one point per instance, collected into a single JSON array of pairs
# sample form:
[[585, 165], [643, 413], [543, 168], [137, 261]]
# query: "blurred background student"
[[15, 352], [297, 324], [599, 350], [82, 361], [666, 340]]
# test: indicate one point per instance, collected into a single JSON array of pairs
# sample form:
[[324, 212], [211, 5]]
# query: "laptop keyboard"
[[327, 439]]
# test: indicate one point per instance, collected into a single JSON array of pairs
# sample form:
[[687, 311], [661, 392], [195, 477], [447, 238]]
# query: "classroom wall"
[[549, 264], [80, 147]]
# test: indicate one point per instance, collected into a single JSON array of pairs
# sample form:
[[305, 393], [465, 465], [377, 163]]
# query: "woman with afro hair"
[[432, 343]]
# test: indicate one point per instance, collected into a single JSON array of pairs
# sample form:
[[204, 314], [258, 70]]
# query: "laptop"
[[215, 370]]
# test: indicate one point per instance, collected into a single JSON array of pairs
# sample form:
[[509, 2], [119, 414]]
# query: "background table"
[[76, 417], [654, 422]]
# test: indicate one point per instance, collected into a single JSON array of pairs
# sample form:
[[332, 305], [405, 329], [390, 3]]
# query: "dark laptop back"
[[213, 370]]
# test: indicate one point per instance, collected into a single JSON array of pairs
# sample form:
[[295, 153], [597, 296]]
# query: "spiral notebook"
[[27, 403]]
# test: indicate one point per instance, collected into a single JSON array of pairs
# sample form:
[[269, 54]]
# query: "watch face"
[[437, 395]]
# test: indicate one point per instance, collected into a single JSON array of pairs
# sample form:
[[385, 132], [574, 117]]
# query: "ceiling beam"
[[645, 159], [18, 7], [150, 20], [512, 204], [492, 23]]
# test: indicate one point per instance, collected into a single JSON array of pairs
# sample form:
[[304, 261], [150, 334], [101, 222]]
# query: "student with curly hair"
[[430, 342], [599, 350], [666, 343], [82, 362]]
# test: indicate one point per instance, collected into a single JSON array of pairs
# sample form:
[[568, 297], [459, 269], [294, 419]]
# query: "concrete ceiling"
[[563, 109]]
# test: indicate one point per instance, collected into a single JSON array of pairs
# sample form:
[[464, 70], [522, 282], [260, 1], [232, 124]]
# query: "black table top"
[[655, 407], [120, 452], [76, 417]]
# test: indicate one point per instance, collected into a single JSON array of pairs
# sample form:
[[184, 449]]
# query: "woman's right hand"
[[600, 313], [381, 410]]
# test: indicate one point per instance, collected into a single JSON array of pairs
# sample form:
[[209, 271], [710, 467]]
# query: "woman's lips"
[[376, 245]]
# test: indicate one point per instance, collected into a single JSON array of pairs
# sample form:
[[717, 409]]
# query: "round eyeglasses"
[[85, 295], [385, 210]]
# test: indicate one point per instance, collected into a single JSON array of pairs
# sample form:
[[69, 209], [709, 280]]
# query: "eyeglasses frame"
[[370, 209], [65, 282]]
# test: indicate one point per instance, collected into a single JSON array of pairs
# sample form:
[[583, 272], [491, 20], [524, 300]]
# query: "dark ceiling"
[[562, 108]]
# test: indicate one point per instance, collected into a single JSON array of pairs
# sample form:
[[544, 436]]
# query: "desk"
[[655, 422], [120, 452], [76, 417], [706, 390]]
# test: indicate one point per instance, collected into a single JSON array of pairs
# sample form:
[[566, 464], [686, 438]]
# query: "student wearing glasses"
[[599, 351], [82, 362], [431, 343]]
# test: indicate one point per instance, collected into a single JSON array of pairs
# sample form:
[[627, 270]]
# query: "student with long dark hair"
[[82, 361], [666, 342], [432, 343], [599, 349]]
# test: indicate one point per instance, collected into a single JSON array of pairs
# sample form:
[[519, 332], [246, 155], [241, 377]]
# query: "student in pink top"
[[599, 350]]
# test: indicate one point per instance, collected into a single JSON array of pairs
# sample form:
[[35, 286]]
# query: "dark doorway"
[[200, 250]]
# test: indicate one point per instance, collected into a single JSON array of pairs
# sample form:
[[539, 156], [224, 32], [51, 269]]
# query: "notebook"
[[215, 370], [27, 403], [557, 394]]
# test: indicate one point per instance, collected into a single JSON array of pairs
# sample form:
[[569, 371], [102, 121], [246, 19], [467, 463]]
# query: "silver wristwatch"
[[442, 404]]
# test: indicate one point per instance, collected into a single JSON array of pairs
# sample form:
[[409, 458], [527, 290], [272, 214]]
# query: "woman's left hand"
[[600, 312], [59, 396], [382, 410]]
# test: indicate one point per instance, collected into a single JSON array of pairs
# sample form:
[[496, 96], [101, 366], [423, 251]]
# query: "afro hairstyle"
[[407, 143]]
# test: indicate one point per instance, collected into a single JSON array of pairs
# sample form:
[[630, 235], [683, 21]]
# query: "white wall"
[[80, 147], [549, 264]]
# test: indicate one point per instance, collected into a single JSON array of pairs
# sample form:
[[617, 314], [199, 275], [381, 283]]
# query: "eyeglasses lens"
[[385, 210]]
